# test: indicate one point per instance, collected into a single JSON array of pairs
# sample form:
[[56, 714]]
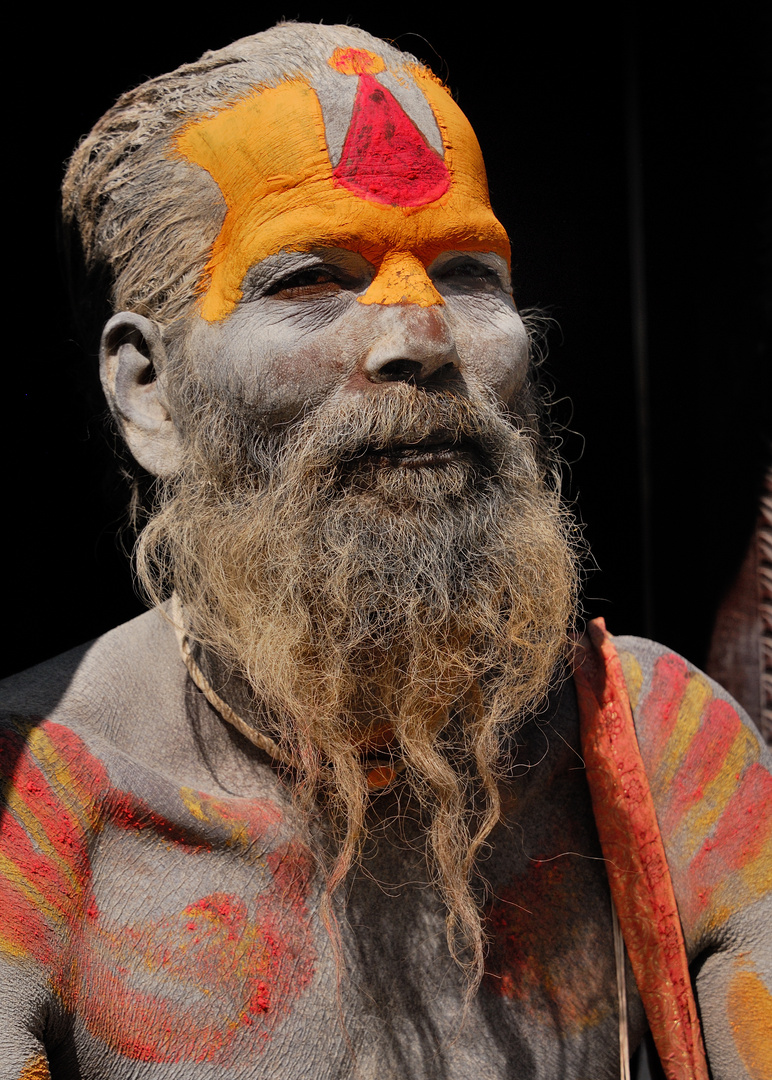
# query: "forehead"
[[355, 156]]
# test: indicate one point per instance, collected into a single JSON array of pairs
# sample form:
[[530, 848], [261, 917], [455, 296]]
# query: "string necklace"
[[380, 767]]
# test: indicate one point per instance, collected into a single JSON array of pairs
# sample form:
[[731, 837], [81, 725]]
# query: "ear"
[[131, 358]]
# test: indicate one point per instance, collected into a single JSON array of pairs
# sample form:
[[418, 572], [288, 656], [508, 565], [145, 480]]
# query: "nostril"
[[398, 371]]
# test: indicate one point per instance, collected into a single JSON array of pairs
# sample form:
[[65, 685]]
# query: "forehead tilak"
[[337, 97], [388, 191]]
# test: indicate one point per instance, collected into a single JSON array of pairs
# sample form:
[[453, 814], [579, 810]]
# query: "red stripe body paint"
[[205, 979]]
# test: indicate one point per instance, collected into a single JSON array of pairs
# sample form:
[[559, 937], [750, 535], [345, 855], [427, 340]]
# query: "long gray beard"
[[355, 596]]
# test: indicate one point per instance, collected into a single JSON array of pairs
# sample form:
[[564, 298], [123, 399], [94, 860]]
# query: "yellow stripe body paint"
[[697, 695], [36, 1068], [700, 820]]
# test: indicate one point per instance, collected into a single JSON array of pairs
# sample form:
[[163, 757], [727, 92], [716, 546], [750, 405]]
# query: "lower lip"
[[418, 458]]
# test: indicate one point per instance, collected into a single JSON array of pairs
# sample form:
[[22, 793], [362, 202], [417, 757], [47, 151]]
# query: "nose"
[[414, 345]]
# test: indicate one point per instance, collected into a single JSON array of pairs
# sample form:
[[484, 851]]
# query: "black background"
[[558, 97]]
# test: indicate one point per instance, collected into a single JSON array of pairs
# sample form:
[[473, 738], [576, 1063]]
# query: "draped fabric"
[[636, 863]]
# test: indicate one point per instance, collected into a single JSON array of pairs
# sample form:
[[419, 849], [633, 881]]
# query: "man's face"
[[358, 249]]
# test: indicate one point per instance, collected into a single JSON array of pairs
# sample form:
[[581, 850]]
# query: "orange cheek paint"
[[392, 198]]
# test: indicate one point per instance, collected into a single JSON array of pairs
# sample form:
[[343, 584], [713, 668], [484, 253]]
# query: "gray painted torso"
[[178, 931]]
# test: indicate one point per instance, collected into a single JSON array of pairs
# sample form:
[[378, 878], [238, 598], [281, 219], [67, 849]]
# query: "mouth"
[[433, 450]]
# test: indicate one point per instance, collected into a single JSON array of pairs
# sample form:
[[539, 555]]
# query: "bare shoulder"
[[710, 778], [139, 866], [127, 697], [698, 745], [655, 673], [91, 685]]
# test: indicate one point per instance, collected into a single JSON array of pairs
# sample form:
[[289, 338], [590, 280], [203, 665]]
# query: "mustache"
[[407, 424]]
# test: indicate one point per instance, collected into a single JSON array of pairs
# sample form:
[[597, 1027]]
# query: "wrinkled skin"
[[300, 337]]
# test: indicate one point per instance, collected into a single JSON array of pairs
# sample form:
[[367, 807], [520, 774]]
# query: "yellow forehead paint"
[[391, 198]]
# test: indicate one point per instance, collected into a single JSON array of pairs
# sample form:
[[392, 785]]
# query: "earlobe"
[[132, 355]]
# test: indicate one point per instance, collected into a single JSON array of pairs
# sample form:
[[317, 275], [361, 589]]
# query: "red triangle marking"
[[385, 158]]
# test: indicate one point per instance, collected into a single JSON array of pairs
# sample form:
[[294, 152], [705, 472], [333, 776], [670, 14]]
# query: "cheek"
[[492, 345], [272, 370]]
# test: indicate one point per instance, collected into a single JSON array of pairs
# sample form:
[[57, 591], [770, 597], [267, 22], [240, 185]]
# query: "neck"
[[230, 695]]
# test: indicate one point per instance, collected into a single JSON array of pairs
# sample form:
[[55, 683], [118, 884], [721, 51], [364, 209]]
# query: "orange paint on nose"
[[402, 279]]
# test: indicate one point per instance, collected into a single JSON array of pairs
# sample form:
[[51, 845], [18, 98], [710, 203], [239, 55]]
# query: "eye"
[[310, 282], [470, 272]]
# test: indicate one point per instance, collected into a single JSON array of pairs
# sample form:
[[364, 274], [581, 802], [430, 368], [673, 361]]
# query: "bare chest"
[[193, 946]]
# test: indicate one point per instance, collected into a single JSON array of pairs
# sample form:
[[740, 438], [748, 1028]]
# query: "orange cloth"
[[638, 874]]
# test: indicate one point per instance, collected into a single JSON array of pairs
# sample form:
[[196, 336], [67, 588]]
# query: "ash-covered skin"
[[192, 945], [189, 843]]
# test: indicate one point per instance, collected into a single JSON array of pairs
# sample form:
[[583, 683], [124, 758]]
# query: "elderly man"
[[347, 803]]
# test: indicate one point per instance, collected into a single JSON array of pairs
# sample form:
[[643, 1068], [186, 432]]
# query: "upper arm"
[[709, 774], [45, 826]]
